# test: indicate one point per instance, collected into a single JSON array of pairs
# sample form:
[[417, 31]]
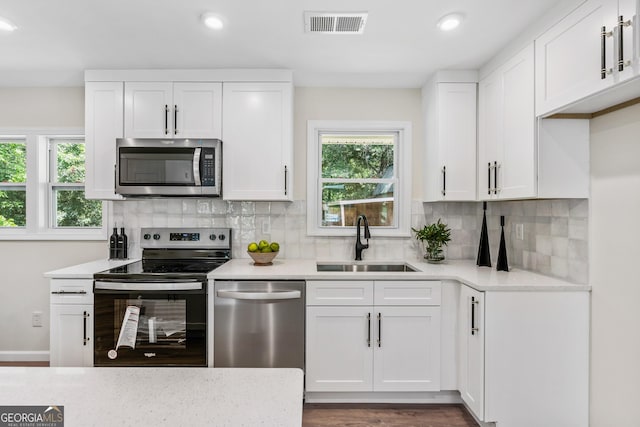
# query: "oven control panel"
[[184, 237], [193, 238]]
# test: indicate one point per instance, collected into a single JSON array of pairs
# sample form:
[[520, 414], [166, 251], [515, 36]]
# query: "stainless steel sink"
[[398, 267]]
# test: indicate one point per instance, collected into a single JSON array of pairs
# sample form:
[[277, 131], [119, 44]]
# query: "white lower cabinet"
[[523, 357], [71, 311], [471, 349], [372, 345]]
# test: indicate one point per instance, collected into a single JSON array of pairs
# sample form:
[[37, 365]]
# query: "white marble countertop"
[[465, 271], [160, 396], [87, 270]]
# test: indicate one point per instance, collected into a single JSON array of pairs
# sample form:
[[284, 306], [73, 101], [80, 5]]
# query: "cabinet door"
[[257, 141], [407, 349], [516, 176], [457, 140], [148, 110], [197, 110], [489, 133], [471, 349], [339, 349], [103, 124], [71, 335], [568, 56]]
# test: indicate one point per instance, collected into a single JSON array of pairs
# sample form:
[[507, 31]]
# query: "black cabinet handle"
[[473, 315], [620, 43], [379, 329], [166, 119], [489, 178], [495, 177], [603, 51], [85, 315], [621, 24], [368, 329], [175, 119], [286, 173], [444, 180]]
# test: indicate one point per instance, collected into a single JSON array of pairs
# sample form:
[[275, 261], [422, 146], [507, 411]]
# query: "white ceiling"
[[57, 39]]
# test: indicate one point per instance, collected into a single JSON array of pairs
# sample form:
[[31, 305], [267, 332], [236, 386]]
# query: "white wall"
[[355, 104], [22, 263], [614, 242]]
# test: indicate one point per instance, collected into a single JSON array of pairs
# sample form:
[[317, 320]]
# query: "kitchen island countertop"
[[160, 396]]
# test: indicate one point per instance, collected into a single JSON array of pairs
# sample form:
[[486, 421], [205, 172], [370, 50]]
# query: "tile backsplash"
[[554, 240]]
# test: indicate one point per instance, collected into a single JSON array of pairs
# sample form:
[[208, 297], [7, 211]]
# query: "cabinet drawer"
[[400, 292], [71, 291], [346, 292]]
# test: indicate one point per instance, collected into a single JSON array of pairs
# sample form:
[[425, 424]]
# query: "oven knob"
[[212, 237], [221, 237], [147, 236], [156, 237]]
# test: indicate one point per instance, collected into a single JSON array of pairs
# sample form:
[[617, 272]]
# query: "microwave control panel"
[[208, 167]]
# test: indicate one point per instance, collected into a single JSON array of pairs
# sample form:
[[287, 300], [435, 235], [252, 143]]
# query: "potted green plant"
[[434, 236]]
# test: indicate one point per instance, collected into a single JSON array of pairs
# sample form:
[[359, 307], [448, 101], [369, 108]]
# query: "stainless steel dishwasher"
[[259, 324]]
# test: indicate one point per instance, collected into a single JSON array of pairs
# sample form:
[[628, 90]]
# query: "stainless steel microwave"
[[169, 167]]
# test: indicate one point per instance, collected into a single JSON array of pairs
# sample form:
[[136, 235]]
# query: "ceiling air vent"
[[335, 22]]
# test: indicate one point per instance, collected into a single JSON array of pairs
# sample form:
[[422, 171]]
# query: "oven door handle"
[[148, 286], [259, 295]]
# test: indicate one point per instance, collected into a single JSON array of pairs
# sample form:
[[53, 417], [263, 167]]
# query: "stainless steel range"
[[154, 312]]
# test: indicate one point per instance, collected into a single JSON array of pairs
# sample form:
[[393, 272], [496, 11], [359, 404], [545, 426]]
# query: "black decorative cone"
[[503, 265], [484, 258]]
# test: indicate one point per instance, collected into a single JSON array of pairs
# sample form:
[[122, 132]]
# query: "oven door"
[[150, 323]]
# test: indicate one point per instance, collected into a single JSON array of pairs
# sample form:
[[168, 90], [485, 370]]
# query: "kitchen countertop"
[[86, 270], [465, 271], [160, 396]]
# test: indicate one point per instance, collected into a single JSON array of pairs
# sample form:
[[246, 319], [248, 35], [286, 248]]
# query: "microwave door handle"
[[196, 167]]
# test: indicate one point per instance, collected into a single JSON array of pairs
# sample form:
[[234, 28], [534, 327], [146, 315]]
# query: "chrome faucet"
[[359, 245]]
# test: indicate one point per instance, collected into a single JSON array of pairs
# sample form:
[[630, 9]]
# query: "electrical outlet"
[[36, 319], [266, 226], [520, 231]]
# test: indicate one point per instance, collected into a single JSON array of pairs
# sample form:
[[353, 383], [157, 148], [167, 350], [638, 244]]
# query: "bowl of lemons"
[[263, 252]]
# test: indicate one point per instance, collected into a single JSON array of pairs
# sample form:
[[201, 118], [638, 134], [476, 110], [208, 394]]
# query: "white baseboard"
[[24, 356], [383, 397]]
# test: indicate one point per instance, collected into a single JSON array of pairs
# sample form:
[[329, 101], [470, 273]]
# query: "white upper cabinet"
[[506, 143], [450, 147], [103, 124], [257, 141], [582, 54], [173, 110]]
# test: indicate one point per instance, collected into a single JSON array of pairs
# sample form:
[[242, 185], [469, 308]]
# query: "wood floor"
[[386, 415]]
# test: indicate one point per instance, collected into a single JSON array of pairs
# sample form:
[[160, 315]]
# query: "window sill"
[[351, 232], [98, 235]]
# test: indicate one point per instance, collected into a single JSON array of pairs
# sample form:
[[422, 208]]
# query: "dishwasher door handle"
[[259, 295]]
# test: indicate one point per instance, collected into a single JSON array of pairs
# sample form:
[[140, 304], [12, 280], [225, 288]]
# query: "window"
[[69, 208], [13, 182], [42, 188], [358, 168]]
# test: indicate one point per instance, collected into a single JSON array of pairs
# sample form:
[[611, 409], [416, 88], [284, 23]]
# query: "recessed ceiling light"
[[6, 25], [449, 22], [212, 21]]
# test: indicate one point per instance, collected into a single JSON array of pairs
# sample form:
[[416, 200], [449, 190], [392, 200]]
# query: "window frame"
[[402, 189], [39, 204]]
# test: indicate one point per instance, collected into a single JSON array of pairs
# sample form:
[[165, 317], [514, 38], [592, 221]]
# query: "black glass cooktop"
[[161, 269]]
